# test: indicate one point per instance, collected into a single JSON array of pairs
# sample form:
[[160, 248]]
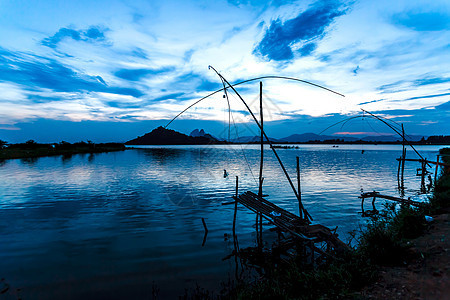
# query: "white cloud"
[[217, 33]]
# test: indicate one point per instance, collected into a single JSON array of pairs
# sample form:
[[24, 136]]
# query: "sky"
[[113, 70]]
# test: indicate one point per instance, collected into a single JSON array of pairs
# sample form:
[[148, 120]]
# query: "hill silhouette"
[[163, 136]]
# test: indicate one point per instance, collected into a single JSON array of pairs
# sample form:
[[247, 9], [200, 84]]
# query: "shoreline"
[[426, 271], [426, 275], [23, 151], [400, 254]]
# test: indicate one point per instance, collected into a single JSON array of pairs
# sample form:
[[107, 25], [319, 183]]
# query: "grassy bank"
[[385, 242], [32, 149]]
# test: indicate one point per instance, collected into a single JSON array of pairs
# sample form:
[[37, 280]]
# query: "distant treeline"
[[34, 149], [431, 140]]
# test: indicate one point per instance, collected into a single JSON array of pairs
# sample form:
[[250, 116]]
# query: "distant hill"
[[307, 137], [253, 139], [163, 136], [202, 133]]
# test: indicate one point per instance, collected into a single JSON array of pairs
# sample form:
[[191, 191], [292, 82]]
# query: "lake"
[[128, 224]]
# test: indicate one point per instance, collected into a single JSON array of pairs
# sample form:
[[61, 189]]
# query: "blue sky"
[[112, 70]]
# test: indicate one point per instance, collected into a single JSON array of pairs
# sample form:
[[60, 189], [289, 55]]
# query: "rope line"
[[246, 81]]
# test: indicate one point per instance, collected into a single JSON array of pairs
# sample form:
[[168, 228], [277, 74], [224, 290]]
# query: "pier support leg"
[[436, 170], [235, 207], [422, 177], [403, 160], [299, 191]]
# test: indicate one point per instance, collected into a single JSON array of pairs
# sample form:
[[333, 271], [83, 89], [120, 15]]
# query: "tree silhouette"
[[3, 144]]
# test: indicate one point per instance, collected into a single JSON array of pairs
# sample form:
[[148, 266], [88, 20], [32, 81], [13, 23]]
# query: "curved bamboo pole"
[[402, 135], [249, 80], [305, 212]]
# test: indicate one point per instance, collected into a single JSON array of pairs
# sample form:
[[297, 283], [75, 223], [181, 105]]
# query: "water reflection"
[[112, 223], [66, 158], [29, 160]]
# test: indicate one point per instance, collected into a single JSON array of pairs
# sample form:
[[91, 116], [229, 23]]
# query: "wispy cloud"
[[137, 74], [423, 21], [37, 72], [92, 34]]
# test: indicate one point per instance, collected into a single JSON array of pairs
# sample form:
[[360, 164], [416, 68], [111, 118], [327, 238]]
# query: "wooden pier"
[[286, 221]]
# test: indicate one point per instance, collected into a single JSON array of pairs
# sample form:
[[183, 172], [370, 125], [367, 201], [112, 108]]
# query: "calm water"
[[114, 225]]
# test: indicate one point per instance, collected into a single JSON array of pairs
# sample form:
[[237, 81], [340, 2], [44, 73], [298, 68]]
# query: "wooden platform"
[[375, 195], [288, 222]]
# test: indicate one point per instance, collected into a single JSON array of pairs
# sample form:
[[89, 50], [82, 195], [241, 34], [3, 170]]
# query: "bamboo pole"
[[307, 215], [422, 177], [396, 131], [404, 155], [235, 206], [436, 170], [262, 139], [299, 191], [206, 232], [259, 216]]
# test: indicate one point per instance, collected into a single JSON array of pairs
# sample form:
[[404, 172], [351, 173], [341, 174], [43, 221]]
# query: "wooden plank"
[[424, 160], [288, 222], [378, 195]]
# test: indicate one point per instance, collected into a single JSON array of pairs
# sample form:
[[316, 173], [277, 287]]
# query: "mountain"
[[196, 133], [306, 137], [163, 136], [391, 138], [202, 133], [252, 139]]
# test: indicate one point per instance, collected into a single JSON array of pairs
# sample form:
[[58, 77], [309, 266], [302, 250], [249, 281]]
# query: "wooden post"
[[308, 216], [436, 170], [235, 207], [404, 156], [398, 171], [206, 232], [422, 177], [262, 140], [299, 191], [362, 205], [237, 185], [234, 229], [259, 216]]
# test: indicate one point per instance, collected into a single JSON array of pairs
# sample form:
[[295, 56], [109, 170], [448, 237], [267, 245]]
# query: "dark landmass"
[[163, 136], [32, 149], [311, 138]]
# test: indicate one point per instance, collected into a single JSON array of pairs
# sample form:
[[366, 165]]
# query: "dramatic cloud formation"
[[302, 32], [127, 63], [35, 72]]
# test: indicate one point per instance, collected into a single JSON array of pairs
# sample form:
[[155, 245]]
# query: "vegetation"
[[3, 144], [32, 149], [384, 242], [441, 195]]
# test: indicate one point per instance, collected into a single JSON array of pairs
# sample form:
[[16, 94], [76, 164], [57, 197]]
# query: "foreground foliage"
[[384, 242]]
